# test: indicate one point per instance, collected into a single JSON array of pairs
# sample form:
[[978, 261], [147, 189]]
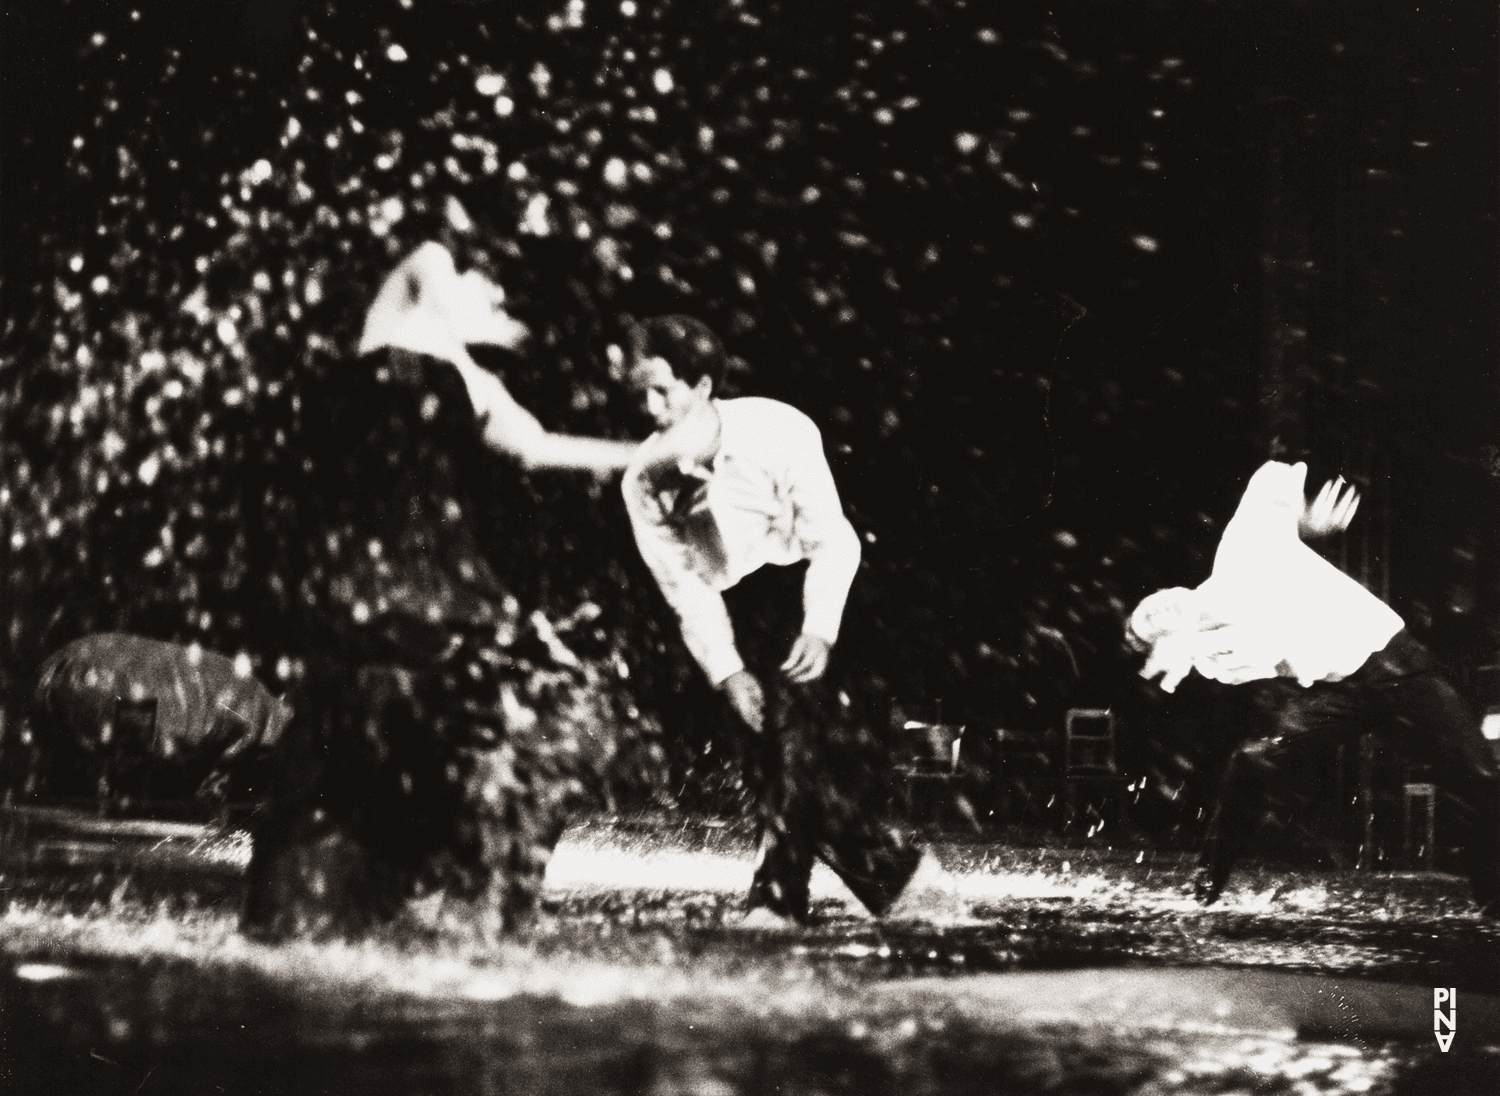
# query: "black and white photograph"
[[745, 547]]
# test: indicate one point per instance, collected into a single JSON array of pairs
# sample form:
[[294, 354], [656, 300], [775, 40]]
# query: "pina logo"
[[1441, 1019]]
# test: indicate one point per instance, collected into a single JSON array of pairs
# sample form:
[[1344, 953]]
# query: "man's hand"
[[1171, 659], [746, 698], [1331, 511], [808, 660]]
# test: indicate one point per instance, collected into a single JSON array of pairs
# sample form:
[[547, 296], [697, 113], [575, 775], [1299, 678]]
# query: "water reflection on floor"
[[120, 971]]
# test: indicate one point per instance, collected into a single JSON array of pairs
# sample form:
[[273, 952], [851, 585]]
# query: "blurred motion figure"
[[413, 765], [1337, 660]]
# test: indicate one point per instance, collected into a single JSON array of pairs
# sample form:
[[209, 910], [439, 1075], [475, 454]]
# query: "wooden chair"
[[1089, 758], [927, 753]]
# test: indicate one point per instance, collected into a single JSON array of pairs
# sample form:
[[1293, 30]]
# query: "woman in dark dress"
[[412, 764]]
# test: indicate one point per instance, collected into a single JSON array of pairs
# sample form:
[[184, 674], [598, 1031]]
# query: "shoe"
[[931, 895], [1485, 888], [1207, 889], [761, 919], [1484, 885]]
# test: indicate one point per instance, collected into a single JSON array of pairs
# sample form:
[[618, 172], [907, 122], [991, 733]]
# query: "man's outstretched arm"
[[832, 550], [706, 628], [511, 429]]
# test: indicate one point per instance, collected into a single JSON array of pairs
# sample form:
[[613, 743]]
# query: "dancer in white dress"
[[1274, 609]]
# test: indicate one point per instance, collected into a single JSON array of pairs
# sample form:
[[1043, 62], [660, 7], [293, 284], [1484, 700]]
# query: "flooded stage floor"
[[1076, 971]]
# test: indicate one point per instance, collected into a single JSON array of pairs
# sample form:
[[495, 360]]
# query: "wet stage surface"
[[1075, 970]]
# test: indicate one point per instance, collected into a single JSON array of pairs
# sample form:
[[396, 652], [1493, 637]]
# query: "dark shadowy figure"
[[126, 721], [1331, 663], [1401, 693], [736, 513], [417, 761]]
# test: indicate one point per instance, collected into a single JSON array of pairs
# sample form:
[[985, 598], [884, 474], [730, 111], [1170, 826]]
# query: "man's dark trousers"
[[1400, 692], [820, 771]]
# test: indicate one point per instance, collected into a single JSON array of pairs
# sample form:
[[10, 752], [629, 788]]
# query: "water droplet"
[[535, 222]]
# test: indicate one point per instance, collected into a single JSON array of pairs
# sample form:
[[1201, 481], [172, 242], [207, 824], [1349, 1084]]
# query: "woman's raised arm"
[[511, 429]]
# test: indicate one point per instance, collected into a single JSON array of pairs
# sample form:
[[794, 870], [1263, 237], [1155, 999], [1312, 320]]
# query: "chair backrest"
[[1088, 741], [923, 747], [1022, 749]]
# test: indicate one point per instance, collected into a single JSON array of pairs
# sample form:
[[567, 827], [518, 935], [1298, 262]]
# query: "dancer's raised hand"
[[1331, 511]]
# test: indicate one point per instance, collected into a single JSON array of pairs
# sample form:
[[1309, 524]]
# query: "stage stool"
[[928, 759], [1089, 756], [1412, 795]]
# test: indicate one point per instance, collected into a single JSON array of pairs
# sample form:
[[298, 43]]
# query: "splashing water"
[[639, 936]]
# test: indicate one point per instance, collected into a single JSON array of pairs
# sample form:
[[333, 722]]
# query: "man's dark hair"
[[689, 346]]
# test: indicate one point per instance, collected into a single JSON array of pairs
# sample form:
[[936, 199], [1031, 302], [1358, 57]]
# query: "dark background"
[[1053, 278]]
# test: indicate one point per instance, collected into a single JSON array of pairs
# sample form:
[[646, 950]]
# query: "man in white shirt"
[[1337, 662], [734, 508]]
